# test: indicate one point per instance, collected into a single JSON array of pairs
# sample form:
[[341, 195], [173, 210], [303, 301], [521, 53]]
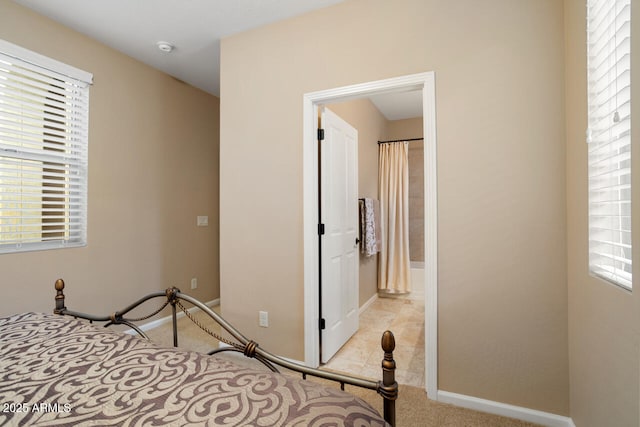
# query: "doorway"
[[426, 83]]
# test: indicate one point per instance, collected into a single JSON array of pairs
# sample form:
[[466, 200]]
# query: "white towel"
[[369, 226]]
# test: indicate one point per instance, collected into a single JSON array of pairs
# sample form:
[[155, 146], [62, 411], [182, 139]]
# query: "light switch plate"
[[203, 221], [263, 319]]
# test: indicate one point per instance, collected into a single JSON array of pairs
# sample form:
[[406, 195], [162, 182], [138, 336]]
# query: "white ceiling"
[[194, 27], [399, 105]]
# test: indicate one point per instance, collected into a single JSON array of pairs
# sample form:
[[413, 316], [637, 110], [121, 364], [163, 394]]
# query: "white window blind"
[[44, 112], [609, 138]]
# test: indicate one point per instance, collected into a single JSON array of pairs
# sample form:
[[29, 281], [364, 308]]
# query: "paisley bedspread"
[[55, 370]]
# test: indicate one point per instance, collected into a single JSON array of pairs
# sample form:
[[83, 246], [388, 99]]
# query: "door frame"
[[311, 101]]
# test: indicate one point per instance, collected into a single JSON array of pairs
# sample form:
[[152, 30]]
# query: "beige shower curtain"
[[393, 186]]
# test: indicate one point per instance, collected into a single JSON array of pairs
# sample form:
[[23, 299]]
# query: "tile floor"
[[362, 354]]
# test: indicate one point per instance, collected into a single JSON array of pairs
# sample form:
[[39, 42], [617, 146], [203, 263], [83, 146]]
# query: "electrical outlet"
[[263, 317], [194, 283]]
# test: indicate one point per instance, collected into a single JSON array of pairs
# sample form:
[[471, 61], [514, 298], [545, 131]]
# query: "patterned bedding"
[[55, 370]]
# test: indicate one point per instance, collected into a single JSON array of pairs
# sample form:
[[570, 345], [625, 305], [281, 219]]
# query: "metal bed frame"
[[387, 387]]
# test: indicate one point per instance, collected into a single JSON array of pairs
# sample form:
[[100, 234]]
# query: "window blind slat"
[[605, 97], [48, 152], [13, 93], [31, 76], [16, 85], [619, 259], [56, 126]]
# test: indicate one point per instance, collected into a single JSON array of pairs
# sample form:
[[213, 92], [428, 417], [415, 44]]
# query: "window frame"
[[609, 140]]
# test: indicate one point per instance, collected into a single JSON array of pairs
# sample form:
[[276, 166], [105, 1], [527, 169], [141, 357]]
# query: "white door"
[[339, 245]]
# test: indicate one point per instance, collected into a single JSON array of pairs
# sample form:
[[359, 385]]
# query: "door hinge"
[[322, 324], [320, 134], [320, 229]]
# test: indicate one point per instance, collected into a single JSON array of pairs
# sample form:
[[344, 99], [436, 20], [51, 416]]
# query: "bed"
[[65, 369]]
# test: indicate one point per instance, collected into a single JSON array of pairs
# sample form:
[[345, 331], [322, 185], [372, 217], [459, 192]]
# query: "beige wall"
[[371, 124], [501, 177], [404, 129], [153, 167], [604, 321]]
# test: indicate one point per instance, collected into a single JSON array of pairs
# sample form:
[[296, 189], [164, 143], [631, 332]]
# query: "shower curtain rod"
[[401, 140]]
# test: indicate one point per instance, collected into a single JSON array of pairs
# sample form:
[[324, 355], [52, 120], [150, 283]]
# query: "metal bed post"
[[172, 298], [60, 308], [389, 389]]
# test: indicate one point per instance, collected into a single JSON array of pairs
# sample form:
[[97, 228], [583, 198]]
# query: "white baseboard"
[[368, 303], [505, 410], [167, 319]]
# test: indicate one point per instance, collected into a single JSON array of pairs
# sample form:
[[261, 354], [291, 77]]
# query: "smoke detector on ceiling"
[[165, 47]]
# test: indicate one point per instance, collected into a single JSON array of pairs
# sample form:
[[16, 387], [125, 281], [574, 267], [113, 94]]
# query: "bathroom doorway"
[[388, 117], [425, 83]]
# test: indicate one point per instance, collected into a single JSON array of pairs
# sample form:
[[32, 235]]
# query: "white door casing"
[[339, 247]]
